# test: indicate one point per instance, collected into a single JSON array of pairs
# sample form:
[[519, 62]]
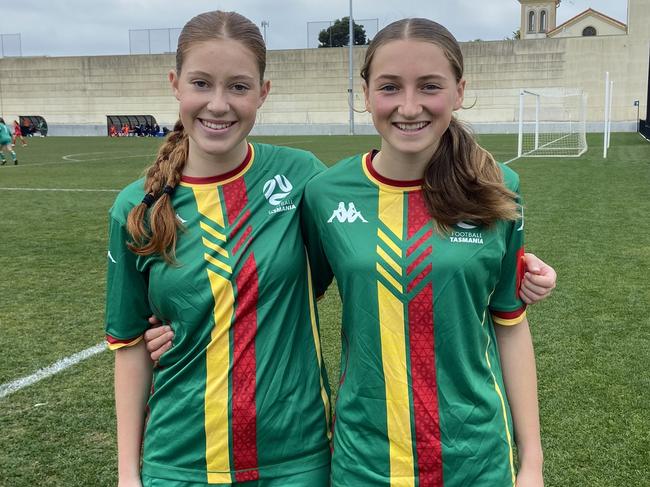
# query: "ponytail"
[[462, 182], [153, 224]]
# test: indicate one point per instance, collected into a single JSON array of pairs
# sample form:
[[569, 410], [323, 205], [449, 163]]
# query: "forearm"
[[520, 378], [132, 384]]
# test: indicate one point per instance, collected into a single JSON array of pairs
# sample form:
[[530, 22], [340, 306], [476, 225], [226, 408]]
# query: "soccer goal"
[[552, 123]]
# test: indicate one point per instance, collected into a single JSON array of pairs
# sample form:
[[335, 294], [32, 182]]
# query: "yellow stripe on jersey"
[[391, 212], [508, 322], [389, 260], [389, 278], [319, 357], [393, 351], [217, 263], [209, 205], [398, 415], [387, 240], [216, 382], [212, 231], [215, 247]]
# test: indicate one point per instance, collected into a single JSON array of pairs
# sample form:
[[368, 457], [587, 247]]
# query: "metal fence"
[[153, 41], [314, 28], [10, 45]]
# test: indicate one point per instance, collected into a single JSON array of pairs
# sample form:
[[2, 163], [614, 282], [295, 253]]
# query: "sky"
[[90, 27]]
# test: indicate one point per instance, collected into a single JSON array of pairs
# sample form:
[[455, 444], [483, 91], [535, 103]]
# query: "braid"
[[158, 235]]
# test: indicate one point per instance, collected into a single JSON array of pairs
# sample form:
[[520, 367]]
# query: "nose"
[[218, 102], [410, 107]]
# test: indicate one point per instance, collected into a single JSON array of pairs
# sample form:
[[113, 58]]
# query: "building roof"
[[587, 13]]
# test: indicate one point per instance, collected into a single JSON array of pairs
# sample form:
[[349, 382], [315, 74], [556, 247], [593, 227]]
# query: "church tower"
[[537, 18]]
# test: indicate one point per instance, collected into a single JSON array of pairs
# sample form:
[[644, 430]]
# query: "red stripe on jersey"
[[521, 269], [418, 261], [420, 241], [418, 279], [423, 361], [243, 240], [244, 367], [236, 198], [425, 388], [509, 315]]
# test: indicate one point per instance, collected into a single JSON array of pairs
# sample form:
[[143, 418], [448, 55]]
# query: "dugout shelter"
[[133, 121], [30, 124]]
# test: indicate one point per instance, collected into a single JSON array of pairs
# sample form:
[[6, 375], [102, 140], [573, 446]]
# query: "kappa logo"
[[349, 215], [276, 192]]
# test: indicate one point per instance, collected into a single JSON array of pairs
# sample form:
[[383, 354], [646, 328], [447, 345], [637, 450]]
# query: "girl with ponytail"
[[425, 239]]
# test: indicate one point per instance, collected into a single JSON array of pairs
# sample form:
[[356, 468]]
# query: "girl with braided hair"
[[209, 240]]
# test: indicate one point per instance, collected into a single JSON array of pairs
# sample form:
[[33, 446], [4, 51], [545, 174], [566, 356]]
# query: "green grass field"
[[589, 217]]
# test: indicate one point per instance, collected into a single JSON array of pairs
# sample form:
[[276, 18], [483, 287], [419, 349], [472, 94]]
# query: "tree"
[[338, 34], [516, 35]]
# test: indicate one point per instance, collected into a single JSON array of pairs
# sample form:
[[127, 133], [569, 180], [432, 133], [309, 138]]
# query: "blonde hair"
[[153, 224], [462, 181]]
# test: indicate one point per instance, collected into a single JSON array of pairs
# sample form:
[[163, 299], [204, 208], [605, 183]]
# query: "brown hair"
[[155, 231], [461, 181]]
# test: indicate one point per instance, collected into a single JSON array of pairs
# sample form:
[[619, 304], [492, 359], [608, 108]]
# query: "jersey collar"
[[225, 177], [384, 182]]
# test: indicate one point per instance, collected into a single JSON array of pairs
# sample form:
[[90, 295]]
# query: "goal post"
[[552, 123]]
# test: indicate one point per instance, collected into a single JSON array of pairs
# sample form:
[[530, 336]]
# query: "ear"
[[366, 97], [460, 94], [173, 81], [264, 92]]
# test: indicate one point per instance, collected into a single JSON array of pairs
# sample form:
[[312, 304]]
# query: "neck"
[[203, 165], [396, 165]]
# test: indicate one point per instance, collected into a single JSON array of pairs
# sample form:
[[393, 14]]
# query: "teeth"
[[216, 125], [412, 126]]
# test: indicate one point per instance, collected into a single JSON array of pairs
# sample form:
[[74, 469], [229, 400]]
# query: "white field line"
[[70, 159], [55, 368], [63, 189]]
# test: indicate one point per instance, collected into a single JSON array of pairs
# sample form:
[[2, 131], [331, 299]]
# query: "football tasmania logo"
[[277, 191]]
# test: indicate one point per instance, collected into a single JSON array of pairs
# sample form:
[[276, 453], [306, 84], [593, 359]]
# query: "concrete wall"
[[309, 86]]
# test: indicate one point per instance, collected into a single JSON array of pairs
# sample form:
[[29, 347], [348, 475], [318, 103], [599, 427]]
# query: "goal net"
[[552, 123]]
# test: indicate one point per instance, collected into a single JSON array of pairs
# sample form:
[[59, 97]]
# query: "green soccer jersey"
[[242, 395], [421, 401], [5, 134]]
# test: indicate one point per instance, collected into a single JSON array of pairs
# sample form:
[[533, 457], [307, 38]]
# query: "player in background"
[[6, 144], [438, 371], [210, 241], [18, 134]]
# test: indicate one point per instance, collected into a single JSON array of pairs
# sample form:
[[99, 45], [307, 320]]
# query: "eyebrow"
[[208, 75], [421, 78]]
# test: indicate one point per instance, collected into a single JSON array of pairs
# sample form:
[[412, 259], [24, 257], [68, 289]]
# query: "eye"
[[430, 87], [199, 83], [388, 88], [240, 87]]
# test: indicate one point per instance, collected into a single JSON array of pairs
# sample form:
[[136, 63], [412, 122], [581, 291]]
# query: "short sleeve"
[[505, 305], [127, 304], [320, 269]]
